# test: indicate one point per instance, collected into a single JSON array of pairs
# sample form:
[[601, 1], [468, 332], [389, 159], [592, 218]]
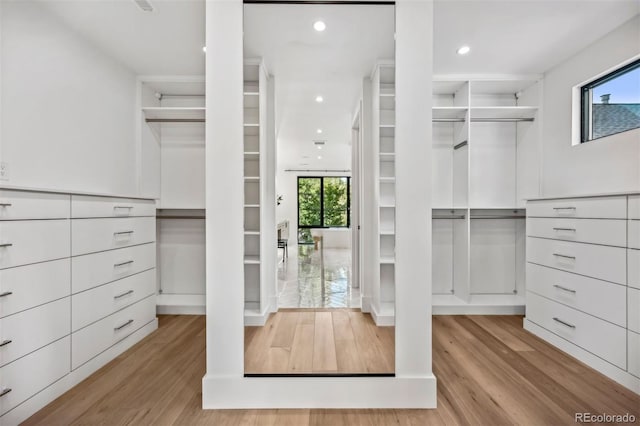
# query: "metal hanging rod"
[[460, 216], [180, 217], [160, 96], [175, 120], [498, 217], [482, 120], [320, 170], [461, 144]]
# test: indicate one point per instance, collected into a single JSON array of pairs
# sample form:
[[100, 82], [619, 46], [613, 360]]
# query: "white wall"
[[67, 108], [609, 164]]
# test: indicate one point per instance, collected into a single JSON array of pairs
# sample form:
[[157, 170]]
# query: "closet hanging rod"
[[181, 217], [175, 120], [319, 170], [461, 216], [178, 95], [498, 217], [482, 120], [460, 145]]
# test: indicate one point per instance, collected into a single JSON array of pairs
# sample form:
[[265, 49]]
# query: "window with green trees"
[[323, 202]]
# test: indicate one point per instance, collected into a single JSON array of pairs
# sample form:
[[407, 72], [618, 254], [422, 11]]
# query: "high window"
[[323, 202], [611, 104]]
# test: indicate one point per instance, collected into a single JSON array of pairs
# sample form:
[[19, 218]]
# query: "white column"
[[414, 59]]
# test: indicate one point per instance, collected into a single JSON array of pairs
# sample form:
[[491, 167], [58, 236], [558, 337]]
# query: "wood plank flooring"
[[490, 372], [321, 341]]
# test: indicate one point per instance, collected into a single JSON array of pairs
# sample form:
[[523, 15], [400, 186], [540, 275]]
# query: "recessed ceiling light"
[[319, 157], [204, 49], [319, 99], [319, 26], [319, 146], [463, 50], [319, 131]]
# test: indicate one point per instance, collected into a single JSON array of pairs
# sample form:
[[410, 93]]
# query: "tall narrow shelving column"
[[383, 120], [259, 195]]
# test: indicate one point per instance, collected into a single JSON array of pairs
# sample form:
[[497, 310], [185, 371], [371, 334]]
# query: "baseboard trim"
[[478, 309], [611, 371], [224, 392], [365, 301], [386, 319], [181, 304]]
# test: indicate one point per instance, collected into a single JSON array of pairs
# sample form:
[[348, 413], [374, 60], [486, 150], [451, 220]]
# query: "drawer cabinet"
[[633, 236], [594, 231], [99, 336], [94, 235], [24, 242], [24, 287], [633, 348], [633, 268], [606, 340], [97, 303], [602, 299], [602, 262], [32, 329], [633, 309], [34, 372], [95, 269], [88, 207], [595, 208], [20, 205]]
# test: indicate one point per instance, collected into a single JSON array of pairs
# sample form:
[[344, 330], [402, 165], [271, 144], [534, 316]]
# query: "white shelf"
[[449, 113], [251, 125], [174, 113], [251, 232], [387, 232], [387, 180], [387, 260], [252, 206], [252, 154], [387, 156], [252, 178], [252, 260], [503, 112], [387, 206], [387, 126]]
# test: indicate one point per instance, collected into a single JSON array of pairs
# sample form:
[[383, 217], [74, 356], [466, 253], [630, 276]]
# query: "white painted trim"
[[45, 396], [382, 319], [366, 304], [181, 304], [253, 318], [318, 392], [614, 373], [469, 309]]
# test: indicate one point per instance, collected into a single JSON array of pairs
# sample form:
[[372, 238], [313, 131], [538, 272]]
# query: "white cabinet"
[[22, 242], [94, 235], [21, 205], [88, 206], [583, 280]]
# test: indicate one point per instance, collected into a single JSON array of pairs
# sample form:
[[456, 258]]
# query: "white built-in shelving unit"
[[383, 122], [485, 132], [172, 135]]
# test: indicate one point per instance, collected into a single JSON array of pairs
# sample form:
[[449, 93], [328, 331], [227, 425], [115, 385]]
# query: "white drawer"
[[99, 336], [633, 347], [596, 208], [93, 235], [15, 205], [33, 329], [634, 207], [594, 231], [83, 206], [95, 269], [33, 241], [633, 309], [633, 268], [33, 285], [32, 373], [599, 337], [97, 303], [633, 236], [603, 262], [598, 298]]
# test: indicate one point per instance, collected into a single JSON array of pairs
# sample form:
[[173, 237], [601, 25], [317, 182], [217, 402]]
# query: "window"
[[611, 104], [323, 202]]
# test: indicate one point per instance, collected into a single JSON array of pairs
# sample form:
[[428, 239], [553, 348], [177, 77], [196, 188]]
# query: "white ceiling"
[[506, 36]]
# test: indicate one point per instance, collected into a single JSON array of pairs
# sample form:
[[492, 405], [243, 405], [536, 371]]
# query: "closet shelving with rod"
[[383, 122], [172, 135], [485, 131]]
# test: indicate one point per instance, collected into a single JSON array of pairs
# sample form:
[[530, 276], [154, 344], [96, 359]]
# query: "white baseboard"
[[500, 304], [365, 301], [29, 407], [255, 318], [383, 316], [614, 373], [181, 304], [318, 392]]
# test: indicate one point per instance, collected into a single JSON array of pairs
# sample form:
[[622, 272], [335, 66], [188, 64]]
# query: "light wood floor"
[[490, 372], [320, 341]]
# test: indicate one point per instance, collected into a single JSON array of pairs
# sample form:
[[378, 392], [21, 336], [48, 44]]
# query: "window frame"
[[322, 226], [586, 100]]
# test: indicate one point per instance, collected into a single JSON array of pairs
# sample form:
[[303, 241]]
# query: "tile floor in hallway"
[[317, 279]]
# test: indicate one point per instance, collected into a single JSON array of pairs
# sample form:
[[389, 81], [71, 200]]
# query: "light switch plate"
[[4, 171]]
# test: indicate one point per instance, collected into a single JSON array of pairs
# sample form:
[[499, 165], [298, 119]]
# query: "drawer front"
[[599, 298], [26, 242], [94, 235], [633, 347], [16, 205], [633, 268], [634, 207], [599, 337], [594, 231], [602, 262], [28, 286], [99, 336], [33, 329], [633, 309], [95, 269], [595, 208], [633, 233], [34, 372], [83, 206], [97, 303]]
